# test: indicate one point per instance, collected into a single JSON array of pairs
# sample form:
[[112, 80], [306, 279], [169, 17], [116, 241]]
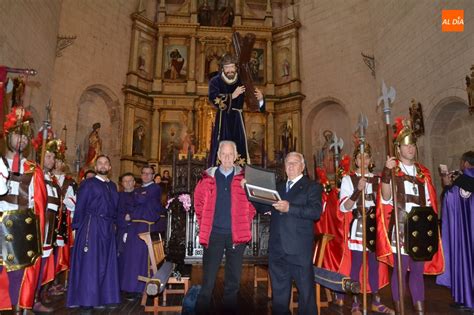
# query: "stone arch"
[[97, 103], [327, 114], [450, 133]]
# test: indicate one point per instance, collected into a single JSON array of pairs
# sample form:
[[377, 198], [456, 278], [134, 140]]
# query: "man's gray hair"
[[229, 142], [297, 154]]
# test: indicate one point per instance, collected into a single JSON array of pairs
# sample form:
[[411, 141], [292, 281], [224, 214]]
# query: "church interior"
[[140, 68]]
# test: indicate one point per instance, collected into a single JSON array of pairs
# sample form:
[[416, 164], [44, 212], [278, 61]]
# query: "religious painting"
[[287, 139], [138, 139], [188, 141], [170, 140], [164, 170], [175, 62], [257, 65], [216, 13], [416, 115], [283, 65], [256, 141]]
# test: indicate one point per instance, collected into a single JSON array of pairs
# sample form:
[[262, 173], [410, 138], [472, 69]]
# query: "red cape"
[[31, 275], [334, 222], [384, 249]]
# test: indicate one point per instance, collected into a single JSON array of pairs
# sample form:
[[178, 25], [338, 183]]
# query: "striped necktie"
[[288, 185]]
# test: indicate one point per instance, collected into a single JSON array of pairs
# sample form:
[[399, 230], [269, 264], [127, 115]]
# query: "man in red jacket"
[[225, 218]]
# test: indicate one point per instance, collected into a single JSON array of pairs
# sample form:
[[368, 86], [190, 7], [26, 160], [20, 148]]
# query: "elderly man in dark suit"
[[291, 238]]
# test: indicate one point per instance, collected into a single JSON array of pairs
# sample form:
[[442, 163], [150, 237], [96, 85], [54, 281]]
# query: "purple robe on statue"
[[458, 239], [93, 279], [229, 124], [135, 253]]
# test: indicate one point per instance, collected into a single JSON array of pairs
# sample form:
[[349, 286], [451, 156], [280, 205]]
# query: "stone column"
[[155, 129], [268, 14], [193, 11], [128, 120], [190, 120], [270, 133], [269, 62], [296, 119], [157, 81], [238, 13], [270, 86], [202, 61], [162, 11], [132, 66], [294, 57], [191, 85]]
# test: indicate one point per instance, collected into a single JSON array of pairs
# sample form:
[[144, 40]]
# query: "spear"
[[387, 98], [77, 162], [65, 136], [46, 126], [363, 123], [21, 71]]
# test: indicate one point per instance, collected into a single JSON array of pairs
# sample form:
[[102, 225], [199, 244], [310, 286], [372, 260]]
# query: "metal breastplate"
[[63, 216], [402, 199], [22, 199], [52, 217], [20, 239], [371, 226]]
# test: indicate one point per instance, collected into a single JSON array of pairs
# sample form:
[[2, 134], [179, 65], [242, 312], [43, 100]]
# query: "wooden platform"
[[255, 301]]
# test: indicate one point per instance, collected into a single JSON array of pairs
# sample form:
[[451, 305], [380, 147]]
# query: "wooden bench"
[[161, 281]]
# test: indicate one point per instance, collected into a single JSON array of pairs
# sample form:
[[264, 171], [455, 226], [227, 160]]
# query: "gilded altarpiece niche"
[[175, 60], [212, 63], [176, 135], [257, 65], [144, 57], [282, 65], [216, 12], [171, 61], [256, 136], [170, 140], [139, 139]]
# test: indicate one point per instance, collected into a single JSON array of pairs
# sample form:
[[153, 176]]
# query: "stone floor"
[[255, 301]]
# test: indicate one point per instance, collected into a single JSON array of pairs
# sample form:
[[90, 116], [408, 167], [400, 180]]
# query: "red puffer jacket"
[[242, 210]]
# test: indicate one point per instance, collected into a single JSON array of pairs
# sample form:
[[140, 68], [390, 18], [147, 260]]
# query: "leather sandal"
[[382, 309]]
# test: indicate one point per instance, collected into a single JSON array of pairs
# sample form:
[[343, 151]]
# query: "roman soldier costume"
[[22, 210], [417, 216], [377, 273]]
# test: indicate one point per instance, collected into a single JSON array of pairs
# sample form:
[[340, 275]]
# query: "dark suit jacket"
[[292, 233]]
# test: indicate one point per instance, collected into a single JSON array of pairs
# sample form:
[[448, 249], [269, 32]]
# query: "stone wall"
[[333, 35], [89, 75], [411, 54], [28, 31]]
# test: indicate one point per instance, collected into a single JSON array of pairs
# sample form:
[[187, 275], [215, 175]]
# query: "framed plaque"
[[261, 185], [262, 194]]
